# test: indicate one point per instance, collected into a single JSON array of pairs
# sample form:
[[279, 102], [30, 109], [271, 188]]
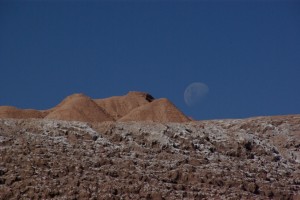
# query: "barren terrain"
[[134, 106], [255, 158]]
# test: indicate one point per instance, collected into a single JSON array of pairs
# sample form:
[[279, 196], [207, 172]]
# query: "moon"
[[194, 93]]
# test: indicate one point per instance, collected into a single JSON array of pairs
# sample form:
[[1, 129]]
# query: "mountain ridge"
[[134, 106]]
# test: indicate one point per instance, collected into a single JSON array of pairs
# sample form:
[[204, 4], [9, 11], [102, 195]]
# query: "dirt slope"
[[79, 107], [160, 110], [135, 106], [120, 106], [13, 112]]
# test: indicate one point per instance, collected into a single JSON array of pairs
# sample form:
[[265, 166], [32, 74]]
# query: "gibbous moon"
[[194, 93]]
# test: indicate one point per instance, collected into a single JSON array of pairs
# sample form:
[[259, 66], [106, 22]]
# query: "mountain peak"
[[134, 106], [144, 95]]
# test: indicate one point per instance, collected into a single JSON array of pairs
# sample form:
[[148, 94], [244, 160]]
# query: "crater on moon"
[[194, 93]]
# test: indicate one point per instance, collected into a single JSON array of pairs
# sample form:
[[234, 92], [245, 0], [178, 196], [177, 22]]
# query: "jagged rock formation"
[[256, 158], [135, 106]]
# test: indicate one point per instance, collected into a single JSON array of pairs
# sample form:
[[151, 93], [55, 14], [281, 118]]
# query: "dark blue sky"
[[248, 53]]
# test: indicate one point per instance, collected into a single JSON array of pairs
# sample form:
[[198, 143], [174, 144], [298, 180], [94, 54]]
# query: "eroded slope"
[[255, 158]]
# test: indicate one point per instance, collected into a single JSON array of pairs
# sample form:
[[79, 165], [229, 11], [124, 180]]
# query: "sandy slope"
[[79, 107], [160, 110], [134, 106]]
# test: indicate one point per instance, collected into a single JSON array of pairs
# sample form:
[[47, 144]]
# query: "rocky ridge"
[[255, 158], [135, 106]]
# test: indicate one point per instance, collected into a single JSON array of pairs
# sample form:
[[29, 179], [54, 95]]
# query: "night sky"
[[246, 52]]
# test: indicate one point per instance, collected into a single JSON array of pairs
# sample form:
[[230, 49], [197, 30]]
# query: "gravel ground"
[[255, 158]]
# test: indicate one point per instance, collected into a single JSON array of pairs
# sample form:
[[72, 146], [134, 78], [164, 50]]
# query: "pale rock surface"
[[255, 158]]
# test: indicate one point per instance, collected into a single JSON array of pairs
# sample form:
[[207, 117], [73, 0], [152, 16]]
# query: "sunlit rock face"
[[134, 106], [256, 158]]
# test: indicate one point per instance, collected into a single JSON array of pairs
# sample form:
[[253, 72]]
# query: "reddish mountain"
[[135, 106], [160, 110], [120, 106], [13, 112], [79, 107]]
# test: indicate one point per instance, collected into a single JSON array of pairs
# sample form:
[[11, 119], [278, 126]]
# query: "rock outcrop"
[[256, 158]]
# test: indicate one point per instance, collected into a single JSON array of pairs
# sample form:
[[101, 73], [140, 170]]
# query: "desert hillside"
[[134, 106], [79, 107], [256, 158]]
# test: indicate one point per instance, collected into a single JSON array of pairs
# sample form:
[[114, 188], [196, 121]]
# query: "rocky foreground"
[[256, 158]]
